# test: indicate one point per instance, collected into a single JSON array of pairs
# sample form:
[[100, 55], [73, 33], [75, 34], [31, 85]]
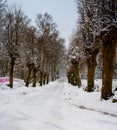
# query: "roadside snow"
[[53, 107], [90, 101]]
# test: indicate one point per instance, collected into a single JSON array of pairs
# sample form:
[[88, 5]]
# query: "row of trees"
[[28, 52], [96, 32]]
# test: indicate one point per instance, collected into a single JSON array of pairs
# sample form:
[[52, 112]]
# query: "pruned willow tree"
[[107, 12], [30, 55], [51, 46], [87, 13], [74, 60], [42, 52], [98, 24], [35, 54], [15, 20]]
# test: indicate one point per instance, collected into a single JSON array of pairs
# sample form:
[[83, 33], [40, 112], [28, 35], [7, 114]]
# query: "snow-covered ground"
[[57, 106], [91, 101]]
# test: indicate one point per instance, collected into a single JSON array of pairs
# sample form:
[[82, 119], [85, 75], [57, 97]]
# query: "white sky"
[[63, 12]]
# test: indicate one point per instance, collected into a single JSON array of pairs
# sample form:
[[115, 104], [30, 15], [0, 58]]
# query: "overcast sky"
[[62, 11]]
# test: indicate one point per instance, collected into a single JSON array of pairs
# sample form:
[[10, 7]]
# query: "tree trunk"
[[71, 77], [77, 76], [44, 78], [68, 77], [12, 63], [41, 78], [54, 74], [109, 57], [34, 77], [73, 74], [91, 64], [47, 79], [30, 67]]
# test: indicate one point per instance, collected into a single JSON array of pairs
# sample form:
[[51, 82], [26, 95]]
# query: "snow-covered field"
[[57, 106]]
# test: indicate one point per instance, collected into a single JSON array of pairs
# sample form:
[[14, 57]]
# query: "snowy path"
[[46, 109]]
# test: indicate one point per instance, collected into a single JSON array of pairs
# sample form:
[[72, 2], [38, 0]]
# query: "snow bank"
[[91, 101]]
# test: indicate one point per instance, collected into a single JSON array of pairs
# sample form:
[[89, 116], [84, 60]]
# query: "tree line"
[[95, 35], [33, 53]]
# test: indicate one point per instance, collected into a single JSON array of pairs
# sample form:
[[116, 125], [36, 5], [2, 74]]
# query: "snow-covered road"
[[45, 109]]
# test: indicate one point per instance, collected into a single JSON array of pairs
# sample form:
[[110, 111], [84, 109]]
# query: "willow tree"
[[30, 55], [50, 47], [107, 12], [12, 36], [99, 28], [75, 57], [86, 22]]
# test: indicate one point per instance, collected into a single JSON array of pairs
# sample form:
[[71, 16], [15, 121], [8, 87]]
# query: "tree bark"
[[91, 65], [12, 63], [41, 78], [109, 57], [71, 77], [47, 79], [54, 74], [77, 76], [30, 67], [68, 77], [44, 78], [73, 74], [34, 77]]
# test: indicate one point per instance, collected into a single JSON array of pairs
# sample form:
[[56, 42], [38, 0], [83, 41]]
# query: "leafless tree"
[[49, 47], [13, 35]]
